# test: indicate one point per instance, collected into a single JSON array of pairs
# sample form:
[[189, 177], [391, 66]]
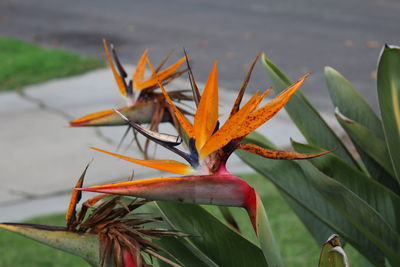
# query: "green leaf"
[[266, 237], [356, 211], [389, 101], [289, 177], [379, 197], [180, 250], [371, 144], [332, 254], [83, 245], [218, 242], [351, 104], [318, 229], [305, 116], [345, 97]]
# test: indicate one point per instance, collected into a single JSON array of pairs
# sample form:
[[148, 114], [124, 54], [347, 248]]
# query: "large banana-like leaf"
[[265, 236], [350, 103], [318, 229], [187, 254], [389, 101], [289, 177], [366, 140], [356, 211], [85, 245], [379, 197], [305, 116], [222, 245]]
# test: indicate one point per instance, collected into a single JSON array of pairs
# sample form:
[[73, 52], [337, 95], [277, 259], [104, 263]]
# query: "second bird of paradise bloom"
[[143, 104], [206, 179]]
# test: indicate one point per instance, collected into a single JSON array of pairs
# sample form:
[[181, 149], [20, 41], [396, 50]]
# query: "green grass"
[[297, 246], [23, 64]]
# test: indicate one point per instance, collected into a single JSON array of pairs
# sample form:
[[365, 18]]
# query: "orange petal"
[[171, 166], [260, 116], [206, 116], [278, 154], [226, 133], [163, 75], [186, 125], [118, 79], [138, 75]]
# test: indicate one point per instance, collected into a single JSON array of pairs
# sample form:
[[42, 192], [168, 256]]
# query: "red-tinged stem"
[[129, 261]]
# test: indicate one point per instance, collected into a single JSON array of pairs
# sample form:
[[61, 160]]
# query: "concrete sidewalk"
[[41, 158]]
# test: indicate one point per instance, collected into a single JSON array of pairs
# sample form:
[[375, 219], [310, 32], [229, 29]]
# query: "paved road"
[[300, 36]]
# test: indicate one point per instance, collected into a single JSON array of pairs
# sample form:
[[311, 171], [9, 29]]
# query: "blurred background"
[[299, 36]]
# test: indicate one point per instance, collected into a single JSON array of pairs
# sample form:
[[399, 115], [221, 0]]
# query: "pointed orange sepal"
[[75, 198], [186, 125], [260, 116], [171, 166], [228, 131], [138, 75], [278, 154], [162, 75], [118, 78], [206, 117]]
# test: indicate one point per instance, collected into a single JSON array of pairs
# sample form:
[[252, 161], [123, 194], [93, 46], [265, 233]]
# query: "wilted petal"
[[236, 105], [278, 154]]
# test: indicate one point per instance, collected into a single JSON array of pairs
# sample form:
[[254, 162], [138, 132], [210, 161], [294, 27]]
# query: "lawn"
[[296, 244], [23, 64]]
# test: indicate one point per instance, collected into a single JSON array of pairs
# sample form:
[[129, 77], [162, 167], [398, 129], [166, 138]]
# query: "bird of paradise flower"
[[206, 179]]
